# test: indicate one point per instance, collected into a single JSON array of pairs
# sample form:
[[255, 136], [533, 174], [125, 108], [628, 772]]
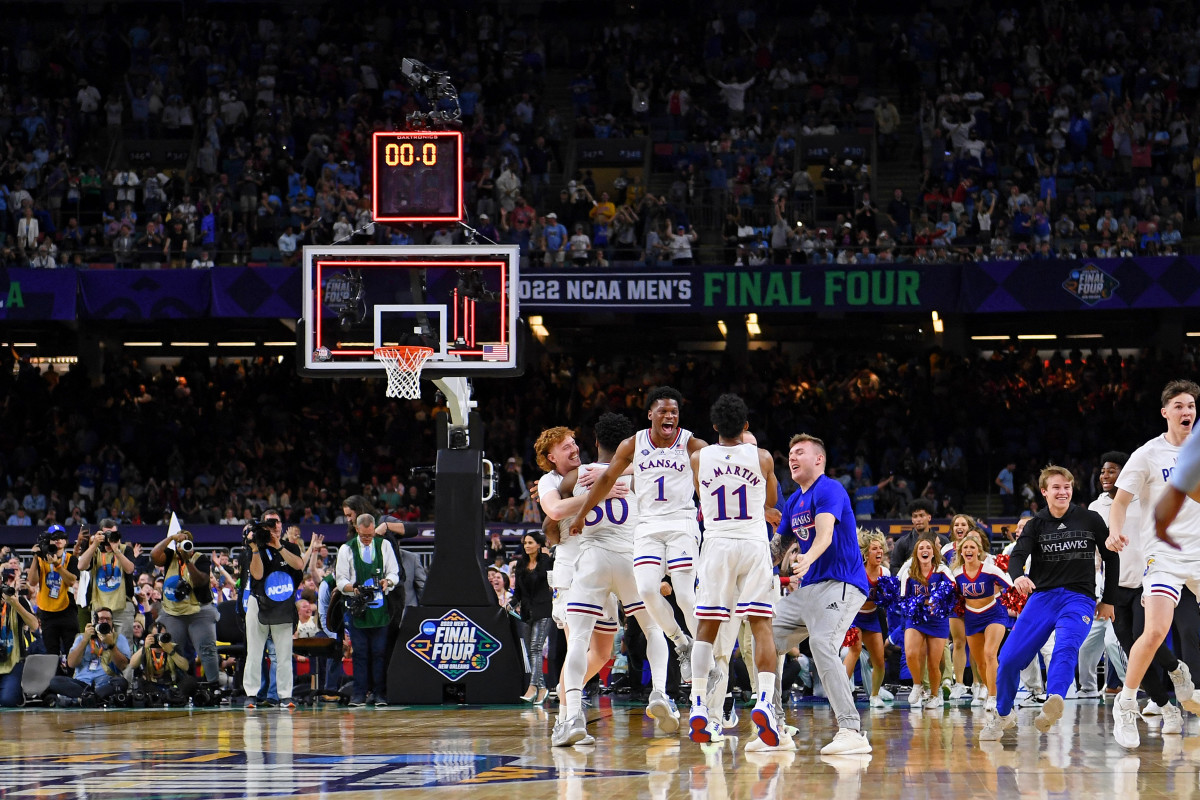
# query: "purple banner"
[[145, 294], [36, 294], [266, 292]]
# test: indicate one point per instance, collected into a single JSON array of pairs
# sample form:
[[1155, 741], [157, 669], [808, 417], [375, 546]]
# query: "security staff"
[[275, 569]]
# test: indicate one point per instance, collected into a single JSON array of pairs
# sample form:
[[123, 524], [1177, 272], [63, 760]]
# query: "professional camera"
[[8, 591], [187, 546], [183, 590], [104, 628], [358, 603], [163, 638], [259, 533], [46, 545]]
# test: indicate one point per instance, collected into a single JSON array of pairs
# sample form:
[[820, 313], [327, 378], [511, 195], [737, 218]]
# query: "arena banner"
[[264, 292], [1104, 284], [145, 294], [824, 287], [37, 294]]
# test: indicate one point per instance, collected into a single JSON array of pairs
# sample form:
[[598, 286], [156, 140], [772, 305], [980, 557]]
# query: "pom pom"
[[886, 592], [1001, 562], [852, 638], [935, 603], [1013, 600]]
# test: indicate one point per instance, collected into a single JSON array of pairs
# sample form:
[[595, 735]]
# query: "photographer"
[[109, 562], [275, 568], [17, 625], [55, 572], [367, 571], [99, 655], [187, 607], [164, 675]]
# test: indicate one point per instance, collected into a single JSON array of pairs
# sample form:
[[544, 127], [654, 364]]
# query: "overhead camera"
[[436, 97]]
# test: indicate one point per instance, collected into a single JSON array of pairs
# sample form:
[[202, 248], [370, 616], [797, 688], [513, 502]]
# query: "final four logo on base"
[[454, 645]]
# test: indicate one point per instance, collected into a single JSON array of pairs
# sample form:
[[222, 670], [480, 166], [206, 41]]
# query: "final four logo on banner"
[[454, 645]]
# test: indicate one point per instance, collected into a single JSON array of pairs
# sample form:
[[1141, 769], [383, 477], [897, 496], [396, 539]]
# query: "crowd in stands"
[[219, 443], [1041, 131]]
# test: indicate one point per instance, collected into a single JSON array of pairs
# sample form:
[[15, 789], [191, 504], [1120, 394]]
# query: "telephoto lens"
[[186, 546]]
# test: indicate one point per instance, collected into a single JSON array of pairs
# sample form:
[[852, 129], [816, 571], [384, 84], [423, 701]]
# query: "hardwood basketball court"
[[481, 752]]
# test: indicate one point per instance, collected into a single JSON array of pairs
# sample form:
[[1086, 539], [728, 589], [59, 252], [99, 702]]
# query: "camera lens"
[[104, 628], [186, 546], [164, 637], [8, 591], [114, 537]]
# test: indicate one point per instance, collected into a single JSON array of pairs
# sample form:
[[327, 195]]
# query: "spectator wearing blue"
[[98, 655], [1004, 480], [554, 241]]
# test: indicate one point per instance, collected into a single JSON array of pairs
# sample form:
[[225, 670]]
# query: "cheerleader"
[[925, 641], [870, 633], [960, 526], [985, 620]]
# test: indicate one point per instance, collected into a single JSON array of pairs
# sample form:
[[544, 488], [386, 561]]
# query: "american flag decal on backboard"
[[497, 351]]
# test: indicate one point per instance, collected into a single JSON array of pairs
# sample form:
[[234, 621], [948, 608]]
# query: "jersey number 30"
[[610, 508]]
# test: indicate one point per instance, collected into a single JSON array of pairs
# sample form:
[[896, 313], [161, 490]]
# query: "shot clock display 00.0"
[[417, 176]]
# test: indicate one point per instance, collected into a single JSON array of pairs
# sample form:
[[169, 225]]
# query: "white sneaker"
[[989, 704], [1033, 701], [958, 691], [917, 695], [1088, 694], [569, 731], [934, 703], [1051, 712], [730, 721], [877, 702], [1172, 722], [981, 696], [1181, 679], [1152, 709], [683, 651], [996, 725], [847, 742], [1125, 729], [763, 717], [663, 709], [886, 695], [756, 745]]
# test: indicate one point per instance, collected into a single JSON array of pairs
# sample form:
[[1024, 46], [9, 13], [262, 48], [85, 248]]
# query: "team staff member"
[[109, 563], [188, 612], [1062, 541], [55, 573], [271, 610], [368, 561]]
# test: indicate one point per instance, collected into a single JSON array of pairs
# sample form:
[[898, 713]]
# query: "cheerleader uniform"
[[937, 628], [983, 584]]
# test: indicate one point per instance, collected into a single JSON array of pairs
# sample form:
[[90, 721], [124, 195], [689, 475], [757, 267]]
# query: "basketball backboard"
[[460, 300]]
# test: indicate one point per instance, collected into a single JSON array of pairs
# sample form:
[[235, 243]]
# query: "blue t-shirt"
[[842, 560]]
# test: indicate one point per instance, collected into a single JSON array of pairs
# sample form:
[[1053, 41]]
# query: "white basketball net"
[[403, 365]]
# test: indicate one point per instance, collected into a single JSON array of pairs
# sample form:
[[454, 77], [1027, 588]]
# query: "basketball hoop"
[[403, 365]]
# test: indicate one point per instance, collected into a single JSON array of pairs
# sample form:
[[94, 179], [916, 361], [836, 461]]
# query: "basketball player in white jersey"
[[668, 536], [605, 566], [558, 454], [1169, 568], [737, 488]]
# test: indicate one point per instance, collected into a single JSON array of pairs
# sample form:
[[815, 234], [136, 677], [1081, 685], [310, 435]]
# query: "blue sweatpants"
[[1068, 615]]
